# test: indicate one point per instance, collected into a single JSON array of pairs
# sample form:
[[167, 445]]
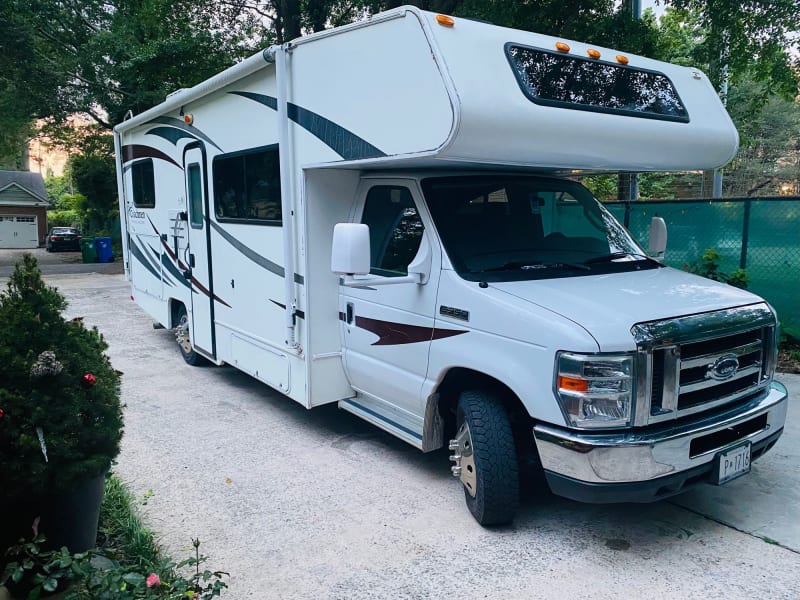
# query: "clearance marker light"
[[572, 384], [593, 53], [562, 47], [188, 118], [445, 21], [623, 60]]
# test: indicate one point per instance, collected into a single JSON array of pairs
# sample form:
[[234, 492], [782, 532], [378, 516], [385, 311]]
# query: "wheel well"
[[460, 379], [174, 307]]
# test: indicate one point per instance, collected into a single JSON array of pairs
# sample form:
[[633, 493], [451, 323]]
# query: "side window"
[[144, 184], [247, 186], [195, 195], [395, 230]]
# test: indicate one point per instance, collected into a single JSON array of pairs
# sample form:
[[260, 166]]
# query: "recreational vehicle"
[[386, 216]]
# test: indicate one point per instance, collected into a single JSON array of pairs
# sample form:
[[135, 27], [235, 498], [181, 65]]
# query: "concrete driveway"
[[318, 504], [55, 263]]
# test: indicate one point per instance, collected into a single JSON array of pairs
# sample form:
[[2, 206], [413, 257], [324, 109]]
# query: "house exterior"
[[23, 209]]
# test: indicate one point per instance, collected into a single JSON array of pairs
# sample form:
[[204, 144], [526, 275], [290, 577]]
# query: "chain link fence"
[[759, 235]]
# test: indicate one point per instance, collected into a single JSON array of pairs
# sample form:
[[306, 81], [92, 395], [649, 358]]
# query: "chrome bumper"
[[631, 456]]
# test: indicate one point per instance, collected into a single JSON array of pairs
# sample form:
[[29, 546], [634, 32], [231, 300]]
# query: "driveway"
[[319, 504], [56, 263]]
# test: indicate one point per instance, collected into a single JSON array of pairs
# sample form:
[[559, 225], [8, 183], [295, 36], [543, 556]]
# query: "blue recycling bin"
[[103, 247]]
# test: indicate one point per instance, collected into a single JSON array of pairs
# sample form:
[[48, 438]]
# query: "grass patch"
[[122, 530], [127, 563]]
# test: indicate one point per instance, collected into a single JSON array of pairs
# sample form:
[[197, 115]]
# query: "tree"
[[748, 37]]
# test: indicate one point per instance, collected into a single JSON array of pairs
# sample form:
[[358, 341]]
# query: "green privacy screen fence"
[[760, 235]]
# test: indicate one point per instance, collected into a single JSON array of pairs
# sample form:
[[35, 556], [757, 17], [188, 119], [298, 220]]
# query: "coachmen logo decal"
[[135, 214], [724, 367]]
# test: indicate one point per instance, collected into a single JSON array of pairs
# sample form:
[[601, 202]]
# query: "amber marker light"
[[572, 384], [623, 60], [593, 53], [188, 118], [445, 21], [562, 47]]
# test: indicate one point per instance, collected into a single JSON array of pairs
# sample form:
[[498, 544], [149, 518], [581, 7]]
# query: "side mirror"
[[350, 254], [657, 240]]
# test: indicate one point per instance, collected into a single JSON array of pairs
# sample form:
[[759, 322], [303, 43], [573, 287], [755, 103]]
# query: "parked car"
[[63, 238]]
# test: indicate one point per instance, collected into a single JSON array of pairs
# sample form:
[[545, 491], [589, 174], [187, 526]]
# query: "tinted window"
[[144, 184], [195, 195], [247, 186], [579, 83], [395, 230], [504, 228]]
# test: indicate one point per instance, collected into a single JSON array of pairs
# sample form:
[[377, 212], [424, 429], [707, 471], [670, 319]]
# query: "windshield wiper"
[[516, 265], [617, 255]]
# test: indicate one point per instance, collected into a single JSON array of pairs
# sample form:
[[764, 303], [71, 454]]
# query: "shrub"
[[60, 419]]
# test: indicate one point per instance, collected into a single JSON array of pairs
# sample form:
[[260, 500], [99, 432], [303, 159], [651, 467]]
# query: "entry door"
[[199, 254], [387, 330]]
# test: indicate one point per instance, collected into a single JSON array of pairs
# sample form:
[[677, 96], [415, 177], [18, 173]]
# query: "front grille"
[[693, 364], [699, 383]]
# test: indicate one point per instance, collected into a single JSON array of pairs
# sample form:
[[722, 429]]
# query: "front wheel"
[[184, 340], [486, 458]]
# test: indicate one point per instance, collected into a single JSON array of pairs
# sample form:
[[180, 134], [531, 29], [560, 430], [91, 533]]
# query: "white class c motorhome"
[[382, 216]]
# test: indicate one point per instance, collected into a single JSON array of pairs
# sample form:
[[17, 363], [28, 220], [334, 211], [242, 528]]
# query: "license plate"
[[733, 463]]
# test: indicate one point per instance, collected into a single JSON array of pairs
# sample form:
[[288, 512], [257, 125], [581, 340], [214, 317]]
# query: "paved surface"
[[55, 263], [318, 504]]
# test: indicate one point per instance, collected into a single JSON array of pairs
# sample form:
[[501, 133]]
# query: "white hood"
[[607, 306]]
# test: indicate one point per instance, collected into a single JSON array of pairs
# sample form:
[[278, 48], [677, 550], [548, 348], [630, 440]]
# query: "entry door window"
[[195, 191], [395, 230]]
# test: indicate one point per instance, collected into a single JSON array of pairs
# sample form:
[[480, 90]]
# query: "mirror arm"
[[351, 281]]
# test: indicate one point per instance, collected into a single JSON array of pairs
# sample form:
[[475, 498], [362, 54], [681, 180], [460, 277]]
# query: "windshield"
[[506, 228]]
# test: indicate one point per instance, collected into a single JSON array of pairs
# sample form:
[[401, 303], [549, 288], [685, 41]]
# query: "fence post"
[[627, 220], [745, 234]]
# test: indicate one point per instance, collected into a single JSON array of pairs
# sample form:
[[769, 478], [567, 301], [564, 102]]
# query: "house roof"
[[32, 183]]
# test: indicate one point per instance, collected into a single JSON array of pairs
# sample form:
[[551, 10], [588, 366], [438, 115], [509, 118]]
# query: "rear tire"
[[495, 497], [184, 340]]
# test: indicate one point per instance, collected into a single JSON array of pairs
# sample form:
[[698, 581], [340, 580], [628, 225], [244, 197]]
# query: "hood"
[[607, 306]]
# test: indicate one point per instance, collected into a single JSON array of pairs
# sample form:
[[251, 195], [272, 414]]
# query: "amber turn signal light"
[[562, 47], [572, 384], [445, 20]]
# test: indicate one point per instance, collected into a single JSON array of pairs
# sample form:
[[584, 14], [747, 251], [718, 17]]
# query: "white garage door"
[[18, 232]]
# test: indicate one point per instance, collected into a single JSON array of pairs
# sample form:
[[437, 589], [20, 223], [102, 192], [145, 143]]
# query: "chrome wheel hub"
[[182, 334], [464, 467]]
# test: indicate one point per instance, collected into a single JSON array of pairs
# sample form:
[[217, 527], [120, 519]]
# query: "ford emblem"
[[724, 367]]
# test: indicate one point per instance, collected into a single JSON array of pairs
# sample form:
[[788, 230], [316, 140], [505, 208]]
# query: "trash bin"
[[102, 246], [88, 250]]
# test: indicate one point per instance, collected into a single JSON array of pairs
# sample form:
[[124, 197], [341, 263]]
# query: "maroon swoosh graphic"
[[393, 334], [180, 264], [133, 151]]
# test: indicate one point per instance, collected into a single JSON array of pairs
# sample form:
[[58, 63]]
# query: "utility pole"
[[716, 191], [628, 183]]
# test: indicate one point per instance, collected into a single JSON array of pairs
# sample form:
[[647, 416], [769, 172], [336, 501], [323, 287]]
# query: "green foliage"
[[746, 38], [48, 405], [708, 266], [603, 187], [120, 569]]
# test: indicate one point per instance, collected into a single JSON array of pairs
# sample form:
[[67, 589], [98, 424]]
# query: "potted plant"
[[60, 416]]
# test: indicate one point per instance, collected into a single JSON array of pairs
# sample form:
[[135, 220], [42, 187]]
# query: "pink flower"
[[89, 380], [1, 413], [153, 580]]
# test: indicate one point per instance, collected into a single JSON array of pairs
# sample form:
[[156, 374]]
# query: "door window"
[[195, 195], [395, 230]]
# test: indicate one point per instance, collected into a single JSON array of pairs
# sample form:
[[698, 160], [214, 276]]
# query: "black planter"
[[68, 519], [71, 519]]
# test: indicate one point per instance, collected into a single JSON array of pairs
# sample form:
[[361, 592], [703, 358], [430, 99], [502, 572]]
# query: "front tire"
[[184, 340], [490, 471]]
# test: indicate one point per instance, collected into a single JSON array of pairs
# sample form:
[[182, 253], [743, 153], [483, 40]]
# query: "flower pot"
[[71, 519], [68, 519]]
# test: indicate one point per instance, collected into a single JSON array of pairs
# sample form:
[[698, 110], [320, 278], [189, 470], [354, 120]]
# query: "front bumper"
[[643, 466]]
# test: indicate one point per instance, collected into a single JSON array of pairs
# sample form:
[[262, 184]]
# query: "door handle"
[[349, 313], [191, 260]]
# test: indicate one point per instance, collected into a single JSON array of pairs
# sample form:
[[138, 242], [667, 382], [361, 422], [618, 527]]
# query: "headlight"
[[595, 390]]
